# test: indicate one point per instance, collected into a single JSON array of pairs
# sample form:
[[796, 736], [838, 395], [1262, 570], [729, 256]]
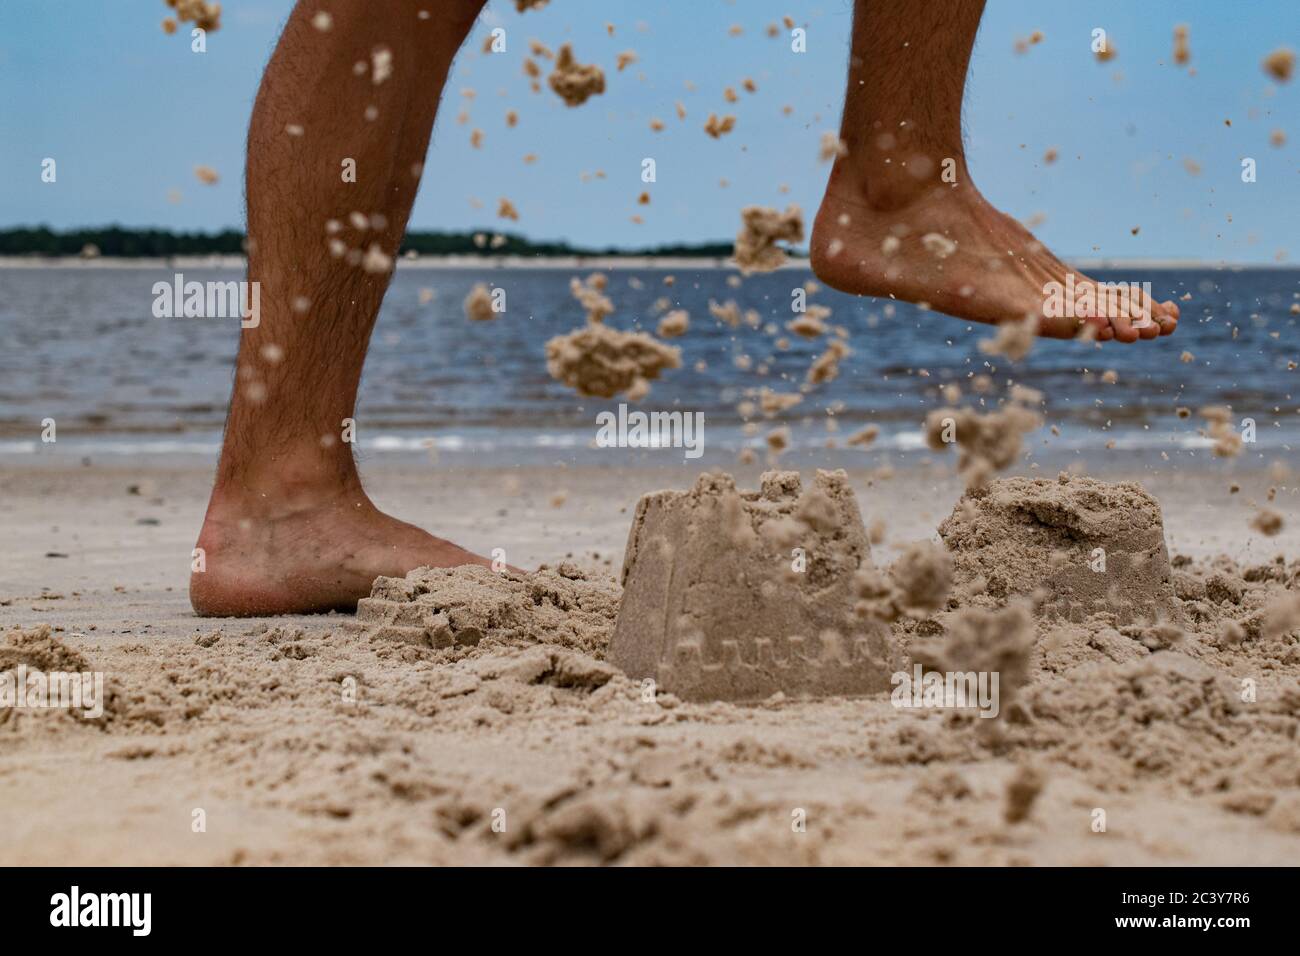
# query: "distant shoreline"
[[119, 247], [609, 262], [420, 262]]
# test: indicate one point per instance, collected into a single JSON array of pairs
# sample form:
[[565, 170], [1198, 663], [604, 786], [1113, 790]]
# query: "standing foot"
[[308, 554]]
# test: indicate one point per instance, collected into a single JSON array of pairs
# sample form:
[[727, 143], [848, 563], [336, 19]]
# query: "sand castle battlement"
[[793, 665]]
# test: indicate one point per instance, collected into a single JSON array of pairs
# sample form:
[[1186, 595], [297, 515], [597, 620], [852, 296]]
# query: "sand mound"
[[1078, 545], [35, 656], [461, 607], [39, 650], [738, 595]]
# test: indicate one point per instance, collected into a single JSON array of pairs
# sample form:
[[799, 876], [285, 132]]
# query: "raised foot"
[[952, 250], [306, 559]]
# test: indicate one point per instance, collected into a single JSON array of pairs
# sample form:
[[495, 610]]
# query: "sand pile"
[[39, 650], [1077, 545], [461, 607], [49, 668], [1184, 716], [739, 595]]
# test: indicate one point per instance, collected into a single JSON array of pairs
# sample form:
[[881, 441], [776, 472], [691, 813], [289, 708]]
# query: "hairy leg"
[[901, 216], [289, 527]]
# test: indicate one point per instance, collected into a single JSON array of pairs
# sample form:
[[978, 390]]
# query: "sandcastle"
[[1079, 545], [738, 595]]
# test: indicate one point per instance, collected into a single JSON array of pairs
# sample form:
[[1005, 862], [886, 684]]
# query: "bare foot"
[[312, 553], [947, 247]]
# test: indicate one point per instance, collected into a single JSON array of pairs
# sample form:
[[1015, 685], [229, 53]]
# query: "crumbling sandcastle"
[[1078, 545], [738, 595], [460, 607]]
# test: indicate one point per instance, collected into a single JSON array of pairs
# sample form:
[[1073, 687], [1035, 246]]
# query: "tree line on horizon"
[[120, 242]]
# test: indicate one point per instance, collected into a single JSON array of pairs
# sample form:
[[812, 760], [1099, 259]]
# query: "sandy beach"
[[756, 434], [244, 719]]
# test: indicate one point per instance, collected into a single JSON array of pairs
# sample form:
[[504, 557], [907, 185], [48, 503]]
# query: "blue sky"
[[127, 112]]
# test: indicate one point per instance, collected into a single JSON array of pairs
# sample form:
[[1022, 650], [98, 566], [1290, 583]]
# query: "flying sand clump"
[[1267, 522], [774, 403], [1182, 47], [1014, 339], [916, 587], [987, 443], [826, 367], [717, 126], [591, 296], [810, 323], [832, 147], [599, 361], [574, 82], [1280, 64], [478, 304], [864, 437], [761, 228], [1227, 443], [675, 323], [206, 16]]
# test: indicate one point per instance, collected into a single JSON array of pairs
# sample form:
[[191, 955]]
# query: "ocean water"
[[81, 346]]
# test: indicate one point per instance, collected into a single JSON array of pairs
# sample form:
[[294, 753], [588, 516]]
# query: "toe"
[[1165, 316], [1059, 327], [1142, 311], [1171, 309], [1123, 328]]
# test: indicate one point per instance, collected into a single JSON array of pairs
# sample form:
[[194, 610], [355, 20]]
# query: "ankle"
[[887, 182], [287, 482]]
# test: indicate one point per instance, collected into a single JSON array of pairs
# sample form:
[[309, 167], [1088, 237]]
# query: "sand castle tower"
[[736, 595], [1079, 545]]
